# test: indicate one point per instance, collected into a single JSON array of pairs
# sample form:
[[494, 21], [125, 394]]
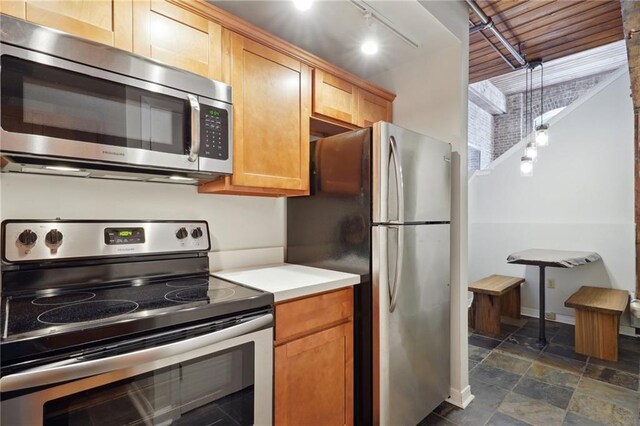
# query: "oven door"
[[222, 378], [58, 109]]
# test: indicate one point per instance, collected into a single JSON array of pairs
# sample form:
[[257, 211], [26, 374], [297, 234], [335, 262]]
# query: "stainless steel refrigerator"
[[380, 207]]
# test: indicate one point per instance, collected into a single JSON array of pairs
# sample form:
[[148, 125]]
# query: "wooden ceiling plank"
[[537, 28], [475, 77], [587, 26], [495, 71], [547, 29], [565, 49], [493, 62], [573, 13], [502, 14], [534, 50], [607, 29]]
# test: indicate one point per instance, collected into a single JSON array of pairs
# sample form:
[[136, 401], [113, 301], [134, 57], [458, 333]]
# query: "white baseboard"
[[460, 398], [566, 319]]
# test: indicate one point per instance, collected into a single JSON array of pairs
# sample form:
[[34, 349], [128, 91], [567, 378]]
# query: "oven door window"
[[43, 100], [214, 389]]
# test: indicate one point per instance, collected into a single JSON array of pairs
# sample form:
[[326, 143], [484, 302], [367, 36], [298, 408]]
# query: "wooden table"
[[550, 258]]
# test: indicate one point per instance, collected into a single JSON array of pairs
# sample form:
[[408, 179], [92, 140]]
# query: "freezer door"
[[411, 341], [411, 176]]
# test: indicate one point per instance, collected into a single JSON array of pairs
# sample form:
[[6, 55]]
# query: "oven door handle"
[[48, 375]]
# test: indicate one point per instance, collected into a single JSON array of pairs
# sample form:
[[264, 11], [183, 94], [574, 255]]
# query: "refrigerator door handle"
[[395, 154], [397, 279]]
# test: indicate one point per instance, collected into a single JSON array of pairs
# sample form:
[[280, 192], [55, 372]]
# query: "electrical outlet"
[[550, 316], [551, 283]]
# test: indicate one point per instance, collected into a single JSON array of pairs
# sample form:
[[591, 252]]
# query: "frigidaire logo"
[[113, 153]]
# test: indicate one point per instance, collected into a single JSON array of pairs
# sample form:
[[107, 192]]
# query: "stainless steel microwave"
[[72, 106]]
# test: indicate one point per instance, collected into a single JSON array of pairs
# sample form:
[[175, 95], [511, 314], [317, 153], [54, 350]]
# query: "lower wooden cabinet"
[[313, 359]]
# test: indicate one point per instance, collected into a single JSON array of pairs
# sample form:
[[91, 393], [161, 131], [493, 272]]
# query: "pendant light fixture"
[[539, 137], [526, 166], [530, 150], [542, 130]]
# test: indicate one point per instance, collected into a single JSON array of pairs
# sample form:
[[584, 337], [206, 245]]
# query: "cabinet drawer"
[[300, 317]]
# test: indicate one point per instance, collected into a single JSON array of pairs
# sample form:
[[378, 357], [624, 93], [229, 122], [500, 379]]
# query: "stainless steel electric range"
[[119, 322]]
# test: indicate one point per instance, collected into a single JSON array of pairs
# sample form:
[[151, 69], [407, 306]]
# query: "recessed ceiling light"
[[62, 168], [369, 47], [302, 4]]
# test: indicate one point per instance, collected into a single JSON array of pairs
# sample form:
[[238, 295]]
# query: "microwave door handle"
[[48, 375], [194, 150]]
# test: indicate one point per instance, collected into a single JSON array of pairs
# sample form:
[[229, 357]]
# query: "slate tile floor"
[[515, 383]]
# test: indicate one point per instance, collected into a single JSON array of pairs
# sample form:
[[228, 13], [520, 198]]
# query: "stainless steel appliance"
[[380, 207], [72, 106], [119, 322]]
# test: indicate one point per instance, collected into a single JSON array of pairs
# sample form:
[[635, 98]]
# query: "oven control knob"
[[27, 237], [53, 237], [197, 232], [182, 233]]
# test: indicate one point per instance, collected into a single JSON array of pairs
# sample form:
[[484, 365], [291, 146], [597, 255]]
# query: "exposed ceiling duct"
[[487, 24]]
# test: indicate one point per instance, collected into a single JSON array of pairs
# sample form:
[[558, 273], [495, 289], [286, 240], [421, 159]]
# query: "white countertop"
[[288, 281]]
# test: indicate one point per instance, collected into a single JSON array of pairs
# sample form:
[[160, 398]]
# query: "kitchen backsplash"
[[236, 222]]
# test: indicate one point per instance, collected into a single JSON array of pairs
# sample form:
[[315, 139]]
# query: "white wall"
[[432, 99], [581, 197], [236, 222]]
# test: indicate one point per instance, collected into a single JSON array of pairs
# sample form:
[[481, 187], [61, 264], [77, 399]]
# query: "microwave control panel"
[[214, 132]]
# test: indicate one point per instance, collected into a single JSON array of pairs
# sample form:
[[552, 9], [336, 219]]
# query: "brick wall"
[[509, 128], [480, 138], [473, 160]]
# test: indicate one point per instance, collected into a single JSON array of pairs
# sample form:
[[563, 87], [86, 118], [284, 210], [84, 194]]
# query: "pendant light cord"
[[541, 94], [526, 102]]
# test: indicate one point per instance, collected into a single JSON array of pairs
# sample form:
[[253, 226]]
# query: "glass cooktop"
[[28, 316]]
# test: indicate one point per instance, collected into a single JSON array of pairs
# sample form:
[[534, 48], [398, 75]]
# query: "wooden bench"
[[494, 296], [598, 313]]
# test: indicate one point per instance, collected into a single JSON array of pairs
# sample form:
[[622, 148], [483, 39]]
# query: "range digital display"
[[117, 236]]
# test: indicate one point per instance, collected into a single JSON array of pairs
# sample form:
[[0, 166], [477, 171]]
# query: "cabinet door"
[[103, 21], [334, 97], [372, 108], [177, 37], [314, 379], [271, 100]]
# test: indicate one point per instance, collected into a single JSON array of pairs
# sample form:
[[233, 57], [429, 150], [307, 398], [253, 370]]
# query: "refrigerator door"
[[412, 341], [411, 176]]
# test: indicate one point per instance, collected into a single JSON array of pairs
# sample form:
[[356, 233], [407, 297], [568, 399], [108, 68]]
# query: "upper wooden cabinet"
[[334, 97], [337, 99], [103, 21], [271, 106], [177, 37], [372, 108]]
